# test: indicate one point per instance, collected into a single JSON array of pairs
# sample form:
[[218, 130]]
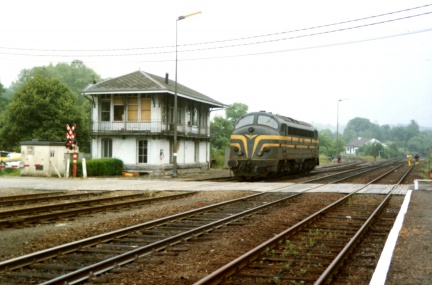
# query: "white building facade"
[[132, 119]]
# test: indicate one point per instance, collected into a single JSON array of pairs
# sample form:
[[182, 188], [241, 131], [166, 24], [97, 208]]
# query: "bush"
[[9, 172], [100, 167]]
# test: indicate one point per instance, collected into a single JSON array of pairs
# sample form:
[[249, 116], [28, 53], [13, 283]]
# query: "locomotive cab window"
[[248, 120], [267, 121]]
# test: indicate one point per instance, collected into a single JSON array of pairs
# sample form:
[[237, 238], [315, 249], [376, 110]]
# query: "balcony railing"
[[144, 126]]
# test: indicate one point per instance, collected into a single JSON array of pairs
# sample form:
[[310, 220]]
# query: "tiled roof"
[[359, 142], [143, 82]]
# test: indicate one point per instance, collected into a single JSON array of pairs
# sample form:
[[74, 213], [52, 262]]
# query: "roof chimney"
[[166, 78]]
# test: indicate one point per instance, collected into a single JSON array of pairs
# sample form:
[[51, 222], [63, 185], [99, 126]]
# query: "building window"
[[132, 114], [195, 117], [196, 154], [142, 151], [145, 109], [118, 109], [105, 111], [106, 148], [179, 117]]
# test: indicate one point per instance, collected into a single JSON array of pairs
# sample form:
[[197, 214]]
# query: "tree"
[[419, 143], [327, 142], [235, 111], [3, 99], [392, 151], [221, 129], [76, 76], [357, 127], [40, 109], [373, 149]]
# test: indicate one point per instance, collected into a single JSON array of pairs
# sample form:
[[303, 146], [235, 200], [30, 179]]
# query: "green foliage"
[[221, 129], [3, 99], [76, 76], [420, 143], [373, 149], [235, 111], [40, 109], [358, 127], [9, 172], [408, 138], [99, 167], [392, 151], [327, 143]]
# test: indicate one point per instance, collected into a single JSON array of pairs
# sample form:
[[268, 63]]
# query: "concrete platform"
[[132, 183]]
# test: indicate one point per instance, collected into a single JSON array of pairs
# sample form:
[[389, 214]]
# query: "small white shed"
[[44, 158]]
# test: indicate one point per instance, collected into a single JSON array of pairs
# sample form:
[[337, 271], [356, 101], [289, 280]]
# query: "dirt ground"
[[411, 263]]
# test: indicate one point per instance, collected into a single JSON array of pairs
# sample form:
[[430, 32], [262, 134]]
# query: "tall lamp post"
[[337, 126], [175, 100]]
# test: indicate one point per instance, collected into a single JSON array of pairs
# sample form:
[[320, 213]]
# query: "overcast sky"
[[295, 58]]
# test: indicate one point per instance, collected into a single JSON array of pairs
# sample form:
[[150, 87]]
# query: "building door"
[[106, 148], [196, 156], [142, 151]]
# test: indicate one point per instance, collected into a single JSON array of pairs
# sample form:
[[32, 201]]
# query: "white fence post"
[[84, 168], [67, 167]]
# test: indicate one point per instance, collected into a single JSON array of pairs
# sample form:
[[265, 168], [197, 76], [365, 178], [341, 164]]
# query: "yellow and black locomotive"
[[267, 145]]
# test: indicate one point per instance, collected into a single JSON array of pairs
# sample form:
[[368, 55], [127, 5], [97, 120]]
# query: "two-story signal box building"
[[132, 119]]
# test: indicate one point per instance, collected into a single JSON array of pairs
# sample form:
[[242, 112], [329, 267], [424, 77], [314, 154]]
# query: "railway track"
[[27, 216], [47, 197], [80, 260], [54, 267], [317, 249]]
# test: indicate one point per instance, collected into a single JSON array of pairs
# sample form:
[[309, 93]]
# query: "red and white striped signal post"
[[71, 143]]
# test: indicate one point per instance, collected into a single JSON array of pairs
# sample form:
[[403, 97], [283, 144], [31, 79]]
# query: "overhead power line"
[[225, 46], [236, 39]]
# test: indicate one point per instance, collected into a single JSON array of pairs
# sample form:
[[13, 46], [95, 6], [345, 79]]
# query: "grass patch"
[[9, 172]]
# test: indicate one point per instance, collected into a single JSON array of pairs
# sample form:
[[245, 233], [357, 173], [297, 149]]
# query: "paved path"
[[43, 183]]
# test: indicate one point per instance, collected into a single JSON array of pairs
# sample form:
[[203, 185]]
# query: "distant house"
[[353, 146], [132, 119]]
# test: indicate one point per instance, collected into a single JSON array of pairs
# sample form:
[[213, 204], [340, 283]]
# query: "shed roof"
[[146, 83], [38, 142]]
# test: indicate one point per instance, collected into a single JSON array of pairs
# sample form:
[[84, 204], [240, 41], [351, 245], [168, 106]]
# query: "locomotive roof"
[[288, 119]]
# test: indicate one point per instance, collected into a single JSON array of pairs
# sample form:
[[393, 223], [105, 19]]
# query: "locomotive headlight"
[[239, 153], [236, 149], [260, 153], [265, 149]]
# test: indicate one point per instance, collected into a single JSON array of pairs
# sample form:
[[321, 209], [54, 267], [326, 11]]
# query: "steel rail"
[[108, 264], [331, 270], [69, 247], [7, 217], [235, 266], [26, 196], [31, 199]]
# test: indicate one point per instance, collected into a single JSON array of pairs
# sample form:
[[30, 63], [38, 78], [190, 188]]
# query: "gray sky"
[[295, 58]]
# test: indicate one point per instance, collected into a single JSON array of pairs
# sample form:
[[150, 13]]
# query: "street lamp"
[[337, 126], [175, 100]]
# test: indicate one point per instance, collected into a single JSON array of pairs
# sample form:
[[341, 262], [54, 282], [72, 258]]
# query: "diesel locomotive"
[[266, 145]]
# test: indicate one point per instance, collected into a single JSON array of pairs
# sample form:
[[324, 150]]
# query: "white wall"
[[34, 155]]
